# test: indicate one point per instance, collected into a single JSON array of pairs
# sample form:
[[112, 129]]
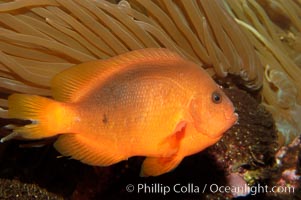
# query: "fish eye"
[[216, 97]]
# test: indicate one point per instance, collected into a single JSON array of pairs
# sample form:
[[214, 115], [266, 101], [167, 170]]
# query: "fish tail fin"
[[46, 116]]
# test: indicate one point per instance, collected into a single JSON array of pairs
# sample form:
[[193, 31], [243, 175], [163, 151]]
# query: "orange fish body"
[[149, 102]]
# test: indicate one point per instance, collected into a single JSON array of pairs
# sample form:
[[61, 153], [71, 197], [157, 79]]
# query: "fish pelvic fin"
[[155, 166], [47, 116]]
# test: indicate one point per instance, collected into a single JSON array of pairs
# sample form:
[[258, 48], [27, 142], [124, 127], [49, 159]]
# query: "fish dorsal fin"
[[73, 83]]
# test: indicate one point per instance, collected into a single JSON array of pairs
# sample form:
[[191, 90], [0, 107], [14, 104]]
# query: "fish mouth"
[[233, 118], [236, 118]]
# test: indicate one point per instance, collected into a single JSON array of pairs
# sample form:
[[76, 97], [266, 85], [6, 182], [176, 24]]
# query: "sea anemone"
[[38, 39], [273, 27]]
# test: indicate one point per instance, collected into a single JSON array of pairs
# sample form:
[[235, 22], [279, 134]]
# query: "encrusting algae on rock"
[[109, 110]]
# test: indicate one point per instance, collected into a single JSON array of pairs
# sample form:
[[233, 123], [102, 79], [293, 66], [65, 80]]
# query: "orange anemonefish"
[[148, 102]]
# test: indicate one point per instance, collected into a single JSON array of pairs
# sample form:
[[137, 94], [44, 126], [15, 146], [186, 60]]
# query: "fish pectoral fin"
[[171, 144], [155, 166], [87, 150]]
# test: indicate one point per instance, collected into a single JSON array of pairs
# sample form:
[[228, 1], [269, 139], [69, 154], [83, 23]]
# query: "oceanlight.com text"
[[190, 188]]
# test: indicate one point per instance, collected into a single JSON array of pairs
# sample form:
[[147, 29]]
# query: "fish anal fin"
[[73, 83], [154, 166], [88, 151]]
